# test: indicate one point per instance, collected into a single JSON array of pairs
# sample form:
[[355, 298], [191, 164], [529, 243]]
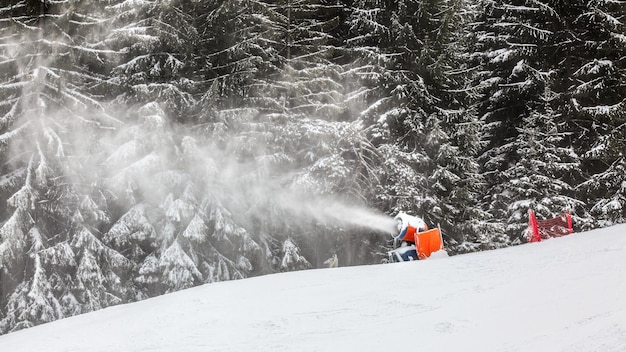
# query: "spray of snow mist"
[[329, 211]]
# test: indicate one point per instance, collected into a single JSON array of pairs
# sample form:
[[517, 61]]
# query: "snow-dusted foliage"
[[100, 272], [151, 40], [178, 269], [418, 111], [609, 206], [291, 257], [539, 180], [594, 73], [527, 163]]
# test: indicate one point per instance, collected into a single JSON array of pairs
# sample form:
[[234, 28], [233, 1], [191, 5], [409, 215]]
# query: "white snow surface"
[[565, 294]]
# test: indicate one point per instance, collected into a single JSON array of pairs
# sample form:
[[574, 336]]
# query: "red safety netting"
[[554, 227]]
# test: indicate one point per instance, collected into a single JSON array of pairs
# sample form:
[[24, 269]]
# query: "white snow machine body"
[[426, 243]]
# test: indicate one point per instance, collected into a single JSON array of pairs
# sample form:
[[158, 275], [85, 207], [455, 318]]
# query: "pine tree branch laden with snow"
[[291, 258]]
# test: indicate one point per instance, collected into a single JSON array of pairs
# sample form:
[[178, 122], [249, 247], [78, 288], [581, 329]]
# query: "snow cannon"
[[414, 240]]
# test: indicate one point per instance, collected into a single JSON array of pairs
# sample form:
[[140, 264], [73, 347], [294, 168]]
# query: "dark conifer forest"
[[148, 146]]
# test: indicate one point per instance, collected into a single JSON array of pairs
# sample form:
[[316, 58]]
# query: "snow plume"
[[330, 211], [107, 141], [254, 190]]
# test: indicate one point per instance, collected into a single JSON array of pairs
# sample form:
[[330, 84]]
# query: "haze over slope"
[[562, 294]]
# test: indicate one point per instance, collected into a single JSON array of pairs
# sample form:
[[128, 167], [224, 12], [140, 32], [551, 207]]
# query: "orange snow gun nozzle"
[[428, 242]]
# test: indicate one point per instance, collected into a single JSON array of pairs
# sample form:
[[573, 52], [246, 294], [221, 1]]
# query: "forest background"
[[148, 146]]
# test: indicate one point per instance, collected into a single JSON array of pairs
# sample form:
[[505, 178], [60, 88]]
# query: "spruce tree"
[[514, 68], [418, 112], [536, 181], [153, 59], [591, 77]]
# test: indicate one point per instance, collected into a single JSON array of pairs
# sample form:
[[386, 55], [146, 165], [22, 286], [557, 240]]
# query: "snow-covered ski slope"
[[566, 294]]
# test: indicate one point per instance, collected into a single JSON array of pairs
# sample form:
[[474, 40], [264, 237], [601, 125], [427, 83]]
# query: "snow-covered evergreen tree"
[[515, 41], [240, 46], [291, 257], [32, 302], [592, 77], [312, 75], [277, 103], [453, 139], [154, 57], [537, 180], [102, 273], [28, 298], [50, 57], [512, 40], [609, 189], [179, 271], [427, 141]]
